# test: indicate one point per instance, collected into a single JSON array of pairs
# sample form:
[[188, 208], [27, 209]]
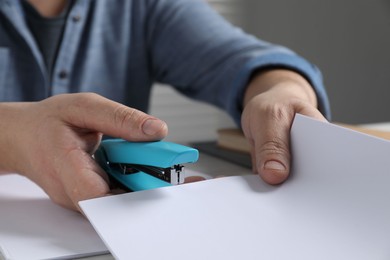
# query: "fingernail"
[[152, 126], [274, 165]]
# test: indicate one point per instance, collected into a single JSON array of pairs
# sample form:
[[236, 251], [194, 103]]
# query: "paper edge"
[[334, 125], [109, 250]]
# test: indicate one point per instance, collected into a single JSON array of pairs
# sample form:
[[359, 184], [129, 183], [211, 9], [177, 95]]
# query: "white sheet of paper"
[[334, 206], [33, 227]]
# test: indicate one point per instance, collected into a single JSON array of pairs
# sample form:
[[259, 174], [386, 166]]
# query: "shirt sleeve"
[[202, 55]]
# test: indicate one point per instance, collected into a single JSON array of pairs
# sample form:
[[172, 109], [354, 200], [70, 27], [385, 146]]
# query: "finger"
[[82, 178], [90, 140], [117, 191], [190, 179], [92, 111], [55, 191]]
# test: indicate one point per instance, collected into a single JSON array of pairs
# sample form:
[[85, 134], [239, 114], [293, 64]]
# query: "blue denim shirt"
[[119, 48]]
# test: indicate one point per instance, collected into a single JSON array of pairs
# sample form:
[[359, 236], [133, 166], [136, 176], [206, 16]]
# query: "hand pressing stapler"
[[144, 165]]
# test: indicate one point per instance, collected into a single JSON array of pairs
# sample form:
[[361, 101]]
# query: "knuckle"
[[57, 199], [275, 146], [88, 191], [71, 106], [81, 99], [278, 111], [62, 200]]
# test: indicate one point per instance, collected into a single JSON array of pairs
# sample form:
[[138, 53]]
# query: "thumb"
[[91, 111], [272, 146], [273, 160], [272, 154]]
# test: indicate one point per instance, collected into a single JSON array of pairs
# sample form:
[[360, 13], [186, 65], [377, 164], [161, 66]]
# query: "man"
[[108, 53]]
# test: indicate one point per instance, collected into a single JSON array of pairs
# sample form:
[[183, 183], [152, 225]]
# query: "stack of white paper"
[[33, 227], [334, 206]]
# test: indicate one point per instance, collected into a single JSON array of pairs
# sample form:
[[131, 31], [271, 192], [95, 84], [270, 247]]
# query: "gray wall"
[[349, 40]]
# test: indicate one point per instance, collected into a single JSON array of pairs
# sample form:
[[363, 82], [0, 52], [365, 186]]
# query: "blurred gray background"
[[348, 40]]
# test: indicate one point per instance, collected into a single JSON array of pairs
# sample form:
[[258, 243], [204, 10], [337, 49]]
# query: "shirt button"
[[63, 74], [76, 18]]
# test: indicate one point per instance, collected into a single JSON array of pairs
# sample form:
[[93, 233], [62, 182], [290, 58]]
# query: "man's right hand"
[[52, 141]]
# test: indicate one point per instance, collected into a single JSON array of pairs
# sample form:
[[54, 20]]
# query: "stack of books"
[[234, 139], [232, 145]]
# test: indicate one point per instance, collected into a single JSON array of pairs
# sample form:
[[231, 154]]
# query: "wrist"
[[10, 135], [289, 82]]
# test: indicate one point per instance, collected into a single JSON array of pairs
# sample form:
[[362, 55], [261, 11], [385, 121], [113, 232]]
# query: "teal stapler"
[[144, 165]]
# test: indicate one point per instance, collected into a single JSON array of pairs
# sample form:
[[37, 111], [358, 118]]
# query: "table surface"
[[214, 167], [378, 126]]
